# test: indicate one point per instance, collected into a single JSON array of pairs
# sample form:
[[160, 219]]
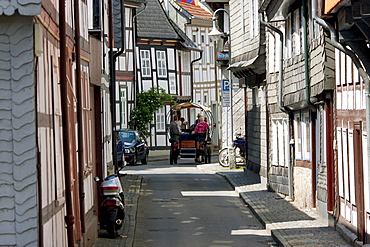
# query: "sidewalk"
[[131, 185], [289, 225]]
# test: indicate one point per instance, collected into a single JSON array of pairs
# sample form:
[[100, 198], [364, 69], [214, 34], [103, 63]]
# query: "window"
[[271, 50], [204, 55], [297, 135], [211, 54], [202, 37], [160, 119], [242, 16], [288, 37], [172, 80], [302, 133], [145, 63], [280, 142], [194, 38], [296, 32], [161, 64], [123, 105], [253, 15], [306, 133], [275, 147]]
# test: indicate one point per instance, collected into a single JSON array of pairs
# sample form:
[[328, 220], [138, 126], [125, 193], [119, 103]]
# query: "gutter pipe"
[[192, 74], [112, 91], [69, 218], [305, 50], [355, 60], [81, 165], [113, 61], [134, 27], [280, 100]]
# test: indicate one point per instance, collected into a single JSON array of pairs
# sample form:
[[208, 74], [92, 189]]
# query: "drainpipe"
[[305, 50], [355, 60], [38, 159], [113, 61], [123, 49], [191, 75], [136, 87], [69, 218], [280, 100], [79, 115]]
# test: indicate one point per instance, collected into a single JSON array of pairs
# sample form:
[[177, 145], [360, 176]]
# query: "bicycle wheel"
[[223, 157]]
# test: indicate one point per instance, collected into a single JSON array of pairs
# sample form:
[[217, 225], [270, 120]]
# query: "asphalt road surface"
[[181, 205]]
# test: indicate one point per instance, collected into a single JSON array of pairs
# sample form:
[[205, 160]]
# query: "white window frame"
[[272, 54], [242, 18], [288, 37], [204, 55], [306, 135], [275, 148], [161, 64], [145, 63], [172, 83], [281, 142], [297, 136], [296, 32], [123, 103], [211, 54], [253, 15], [160, 119]]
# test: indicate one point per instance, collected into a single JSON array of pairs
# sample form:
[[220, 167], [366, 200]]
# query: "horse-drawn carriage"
[[191, 145]]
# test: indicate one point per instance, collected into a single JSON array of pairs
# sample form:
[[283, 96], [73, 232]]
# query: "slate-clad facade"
[[18, 154]]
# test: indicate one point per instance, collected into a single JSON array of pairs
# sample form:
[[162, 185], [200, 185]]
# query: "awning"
[[250, 67], [187, 105]]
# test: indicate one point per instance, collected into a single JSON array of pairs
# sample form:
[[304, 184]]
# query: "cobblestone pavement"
[[284, 220], [288, 224]]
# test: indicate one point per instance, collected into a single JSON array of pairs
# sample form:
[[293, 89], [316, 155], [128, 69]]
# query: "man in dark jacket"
[[174, 129]]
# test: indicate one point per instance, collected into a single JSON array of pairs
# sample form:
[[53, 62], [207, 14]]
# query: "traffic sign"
[[226, 101], [225, 85]]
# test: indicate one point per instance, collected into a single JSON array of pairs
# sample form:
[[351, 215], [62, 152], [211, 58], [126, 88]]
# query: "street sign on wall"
[[225, 87]]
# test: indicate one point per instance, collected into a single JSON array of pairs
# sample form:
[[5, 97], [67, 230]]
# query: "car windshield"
[[127, 136]]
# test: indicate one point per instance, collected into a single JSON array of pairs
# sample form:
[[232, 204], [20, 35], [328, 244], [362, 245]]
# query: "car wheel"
[[145, 160], [133, 163]]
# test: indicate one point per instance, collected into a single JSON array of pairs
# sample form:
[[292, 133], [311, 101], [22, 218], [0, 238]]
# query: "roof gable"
[[195, 10], [153, 23]]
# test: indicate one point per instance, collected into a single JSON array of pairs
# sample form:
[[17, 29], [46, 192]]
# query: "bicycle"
[[240, 149]]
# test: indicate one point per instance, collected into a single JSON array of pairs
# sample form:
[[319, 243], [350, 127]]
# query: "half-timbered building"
[[350, 37], [195, 19], [162, 60]]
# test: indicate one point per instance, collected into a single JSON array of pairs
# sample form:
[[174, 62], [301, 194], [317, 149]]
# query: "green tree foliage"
[[146, 104]]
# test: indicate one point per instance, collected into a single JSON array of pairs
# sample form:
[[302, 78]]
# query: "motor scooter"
[[112, 209]]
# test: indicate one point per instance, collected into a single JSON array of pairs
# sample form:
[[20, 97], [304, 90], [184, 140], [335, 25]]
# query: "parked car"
[[135, 146]]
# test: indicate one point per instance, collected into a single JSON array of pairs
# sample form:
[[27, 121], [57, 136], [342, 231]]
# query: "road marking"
[[261, 232], [210, 193]]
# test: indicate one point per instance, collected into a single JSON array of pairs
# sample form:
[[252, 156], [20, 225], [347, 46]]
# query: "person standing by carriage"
[[174, 129], [201, 128]]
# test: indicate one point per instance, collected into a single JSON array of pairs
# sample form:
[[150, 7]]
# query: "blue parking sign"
[[225, 85]]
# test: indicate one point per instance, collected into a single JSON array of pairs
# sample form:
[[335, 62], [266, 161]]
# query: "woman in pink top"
[[201, 128]]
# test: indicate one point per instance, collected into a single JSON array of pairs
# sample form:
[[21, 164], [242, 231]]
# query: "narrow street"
[[183, 206]]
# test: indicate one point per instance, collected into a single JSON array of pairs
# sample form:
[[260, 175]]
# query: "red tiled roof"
[[194, 10]]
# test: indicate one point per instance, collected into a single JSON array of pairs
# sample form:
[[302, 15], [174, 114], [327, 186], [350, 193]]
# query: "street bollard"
[[232, 161]]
